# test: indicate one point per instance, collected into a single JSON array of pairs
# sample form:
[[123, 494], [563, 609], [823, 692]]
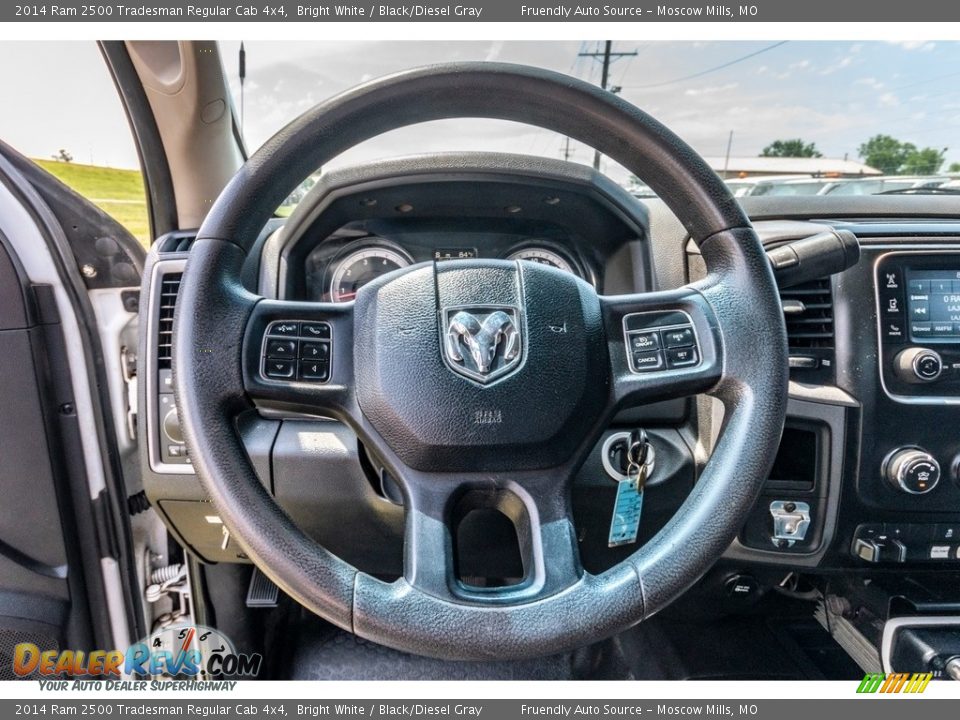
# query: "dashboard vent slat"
[[813, 327], [169, 287]]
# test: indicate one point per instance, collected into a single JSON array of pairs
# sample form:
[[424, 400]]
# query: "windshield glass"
[[772, 118]]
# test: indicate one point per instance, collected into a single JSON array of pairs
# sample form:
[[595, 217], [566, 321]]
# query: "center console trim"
[[892, 625]]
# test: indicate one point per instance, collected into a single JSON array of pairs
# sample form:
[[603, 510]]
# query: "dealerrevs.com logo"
[[179, 651], [912, 683]]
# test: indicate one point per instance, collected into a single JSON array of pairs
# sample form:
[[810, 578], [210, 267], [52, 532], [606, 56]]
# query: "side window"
[[77, 131]]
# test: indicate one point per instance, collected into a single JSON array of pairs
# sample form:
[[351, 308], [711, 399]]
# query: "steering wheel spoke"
[[437, 554], [662, 345], [298, 357]]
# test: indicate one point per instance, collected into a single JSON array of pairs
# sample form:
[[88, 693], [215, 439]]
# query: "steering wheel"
[[509, 435]]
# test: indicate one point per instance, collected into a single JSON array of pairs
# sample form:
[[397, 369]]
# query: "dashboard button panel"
[[884, 543], [297, 351], [660, 341]]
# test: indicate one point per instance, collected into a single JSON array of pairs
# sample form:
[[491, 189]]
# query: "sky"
[[834, 94]]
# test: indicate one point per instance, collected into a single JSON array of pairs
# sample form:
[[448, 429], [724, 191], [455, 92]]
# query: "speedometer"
[[544, 256], [360, 267]]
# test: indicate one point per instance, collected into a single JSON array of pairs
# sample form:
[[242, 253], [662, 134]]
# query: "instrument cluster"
[[336, 270]]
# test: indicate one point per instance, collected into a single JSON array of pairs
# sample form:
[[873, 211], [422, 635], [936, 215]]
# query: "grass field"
[[119, 193]]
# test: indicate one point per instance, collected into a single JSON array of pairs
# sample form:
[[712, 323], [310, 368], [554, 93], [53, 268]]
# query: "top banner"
[[482, 11]]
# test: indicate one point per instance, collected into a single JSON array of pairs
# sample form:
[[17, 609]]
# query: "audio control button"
[[928, 366], [918, 365]]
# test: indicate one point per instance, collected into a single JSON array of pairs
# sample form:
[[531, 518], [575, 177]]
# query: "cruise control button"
[[681, 337], [314, 370], [315, 330], [281, 369], [281, 348], [288, 329], [315, 350], [682, 357], [644, 342], [646, 361]]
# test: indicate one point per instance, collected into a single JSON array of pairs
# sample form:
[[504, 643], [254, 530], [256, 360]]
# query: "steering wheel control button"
[[678, 337], [281, 348], [647, 361], [644, 341], [313, 330], [297, 351], [286, 329], [912, 470], [315, 350], [660, 340], [280, 369], [314, 370], [682, 357]]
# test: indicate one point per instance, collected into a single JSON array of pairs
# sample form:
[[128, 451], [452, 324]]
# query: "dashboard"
[[869, 463], [357, 224]]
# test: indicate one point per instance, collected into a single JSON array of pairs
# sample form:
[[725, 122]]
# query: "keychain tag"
[[625, 523]]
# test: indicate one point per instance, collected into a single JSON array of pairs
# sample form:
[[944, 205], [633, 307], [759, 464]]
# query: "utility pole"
[[567, 152], [726, 159], [243, 76], [607, 56]]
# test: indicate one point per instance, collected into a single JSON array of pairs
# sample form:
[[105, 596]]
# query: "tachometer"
[[544, 256], [360, 267]]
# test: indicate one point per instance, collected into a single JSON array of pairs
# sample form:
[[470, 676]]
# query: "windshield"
[[772, 118]]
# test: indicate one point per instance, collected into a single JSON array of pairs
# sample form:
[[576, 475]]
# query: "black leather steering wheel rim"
[[740, 314]]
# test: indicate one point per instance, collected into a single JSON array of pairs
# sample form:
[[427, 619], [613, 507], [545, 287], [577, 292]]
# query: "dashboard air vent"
[[169, 287], [175, 242], [808, 311]]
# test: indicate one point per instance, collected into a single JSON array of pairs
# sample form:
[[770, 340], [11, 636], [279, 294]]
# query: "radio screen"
[[933, 305]]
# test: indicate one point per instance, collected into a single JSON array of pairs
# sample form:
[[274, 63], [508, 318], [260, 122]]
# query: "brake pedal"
[[262, 593]]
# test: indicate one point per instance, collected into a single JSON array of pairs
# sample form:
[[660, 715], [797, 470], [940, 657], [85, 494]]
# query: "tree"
[[62, 156], [924, 162], [893, 157], [954, 167], [794, 147]]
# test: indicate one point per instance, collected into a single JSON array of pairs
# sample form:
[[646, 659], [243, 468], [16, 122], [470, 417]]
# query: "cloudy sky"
[[836, 94]]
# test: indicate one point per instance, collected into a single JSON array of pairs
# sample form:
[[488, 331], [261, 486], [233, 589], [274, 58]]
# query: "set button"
[[682, 357], [297, 351]]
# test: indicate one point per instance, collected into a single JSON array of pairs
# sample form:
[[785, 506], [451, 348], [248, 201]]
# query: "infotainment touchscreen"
[[933, 305]]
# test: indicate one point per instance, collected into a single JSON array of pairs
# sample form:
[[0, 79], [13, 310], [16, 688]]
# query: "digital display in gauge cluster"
[[455, 254]]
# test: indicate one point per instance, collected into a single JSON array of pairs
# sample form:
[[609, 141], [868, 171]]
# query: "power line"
[[768, 48]]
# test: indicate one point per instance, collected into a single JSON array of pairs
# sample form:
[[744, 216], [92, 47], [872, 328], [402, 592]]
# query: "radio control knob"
[[918, 365], [912, 470]]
